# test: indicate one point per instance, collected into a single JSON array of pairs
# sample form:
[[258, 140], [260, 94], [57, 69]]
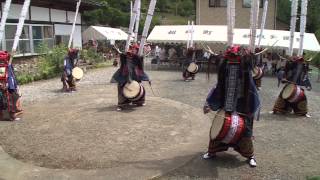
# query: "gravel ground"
[[287, 147]]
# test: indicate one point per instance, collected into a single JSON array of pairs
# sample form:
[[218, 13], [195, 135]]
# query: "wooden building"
[[47, 22], [214, 12]]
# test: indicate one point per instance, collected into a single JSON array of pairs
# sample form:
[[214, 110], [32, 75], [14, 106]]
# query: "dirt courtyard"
[[81, 135]]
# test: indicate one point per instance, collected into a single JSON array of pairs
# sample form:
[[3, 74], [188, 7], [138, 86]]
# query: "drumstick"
[[151, 88]]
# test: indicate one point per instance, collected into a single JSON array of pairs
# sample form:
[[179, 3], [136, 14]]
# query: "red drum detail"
[[292, 93], [227, 128]]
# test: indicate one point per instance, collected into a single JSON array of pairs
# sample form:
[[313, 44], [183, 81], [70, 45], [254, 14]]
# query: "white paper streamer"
[[137, 21], [131, 25], [22, 17], [294, 9], [4, 18], [188, 35], [263, 20], [192, 33], [303, 22], [74, 24], [147, 23]]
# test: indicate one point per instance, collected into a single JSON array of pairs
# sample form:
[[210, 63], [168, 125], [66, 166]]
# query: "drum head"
[[257, 72], [217, 124], [192, 67], [77, 73], [131, 90], [288, 90]]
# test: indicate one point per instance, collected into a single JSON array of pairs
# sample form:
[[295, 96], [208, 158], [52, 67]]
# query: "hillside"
[[116, 13]]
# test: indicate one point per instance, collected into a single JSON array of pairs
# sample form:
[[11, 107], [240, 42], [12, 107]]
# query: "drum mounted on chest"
[[257, 73], [292, 93], [193, 68], [77, 73], [133, 90], [227, 128]]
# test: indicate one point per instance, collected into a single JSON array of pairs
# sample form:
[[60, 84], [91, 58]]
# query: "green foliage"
[[51, 62], [25, 78], [91, 56], [313, 17], [313, 178], [117, 12], [284, 11]]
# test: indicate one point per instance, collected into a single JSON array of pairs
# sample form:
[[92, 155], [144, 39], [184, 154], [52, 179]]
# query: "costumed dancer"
[[10, 95], [131, 70], [67, 78], [71, 73], [9, 91], [191, 68], [292, 96], [236, 95]]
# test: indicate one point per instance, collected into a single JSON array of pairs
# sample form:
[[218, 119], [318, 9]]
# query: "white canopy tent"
[[103, 33], [218, 34]]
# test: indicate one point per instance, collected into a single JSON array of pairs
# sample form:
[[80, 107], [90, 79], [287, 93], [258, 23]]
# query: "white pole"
[[74, 24], [192, 33], [4, 18], [131, 25], [131, 11], [253, 22], [229, 23], [188, 35], [147, 23], [303, 22], [233, 16], [137, 22], [263, 21], [199, 12], [294, 9], [22, 17]]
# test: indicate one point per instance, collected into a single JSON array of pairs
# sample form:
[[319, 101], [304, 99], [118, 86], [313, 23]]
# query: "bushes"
[[50, 63]]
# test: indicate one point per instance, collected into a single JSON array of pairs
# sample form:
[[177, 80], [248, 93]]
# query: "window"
[[31, 38], [24, 43], [247, 3], [42, 35], [217, 3], [62, 39]]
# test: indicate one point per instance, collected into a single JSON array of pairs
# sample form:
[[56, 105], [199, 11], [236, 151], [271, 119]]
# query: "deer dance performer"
[[292, 96], [68, 77], [191, 68], [129, 78], [235, 96], [9, 91], [131, 72], [236, 99], [71, 73]]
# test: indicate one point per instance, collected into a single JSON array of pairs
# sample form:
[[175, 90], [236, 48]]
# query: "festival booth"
[[104, 33], [218, 34]]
